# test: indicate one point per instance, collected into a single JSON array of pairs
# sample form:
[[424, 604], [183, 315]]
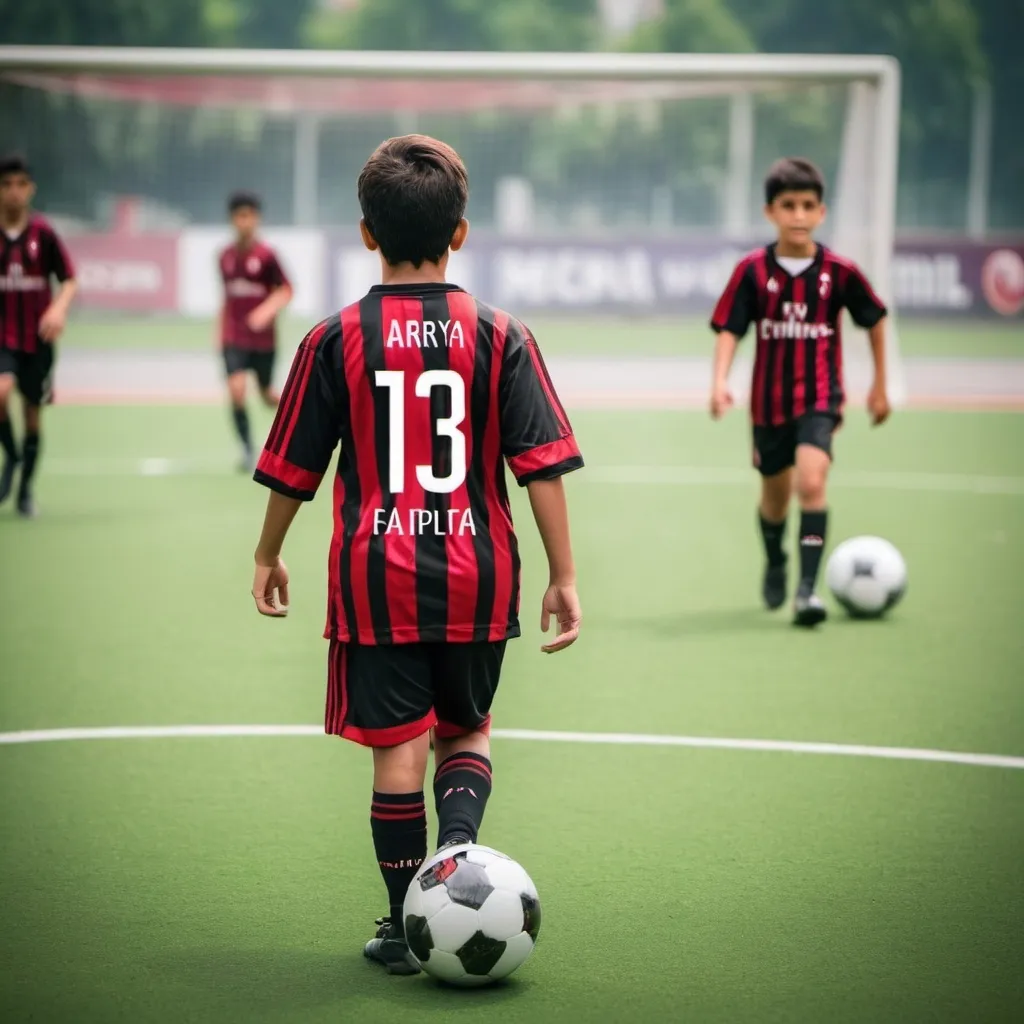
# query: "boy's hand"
[[51, 324], [878, 405], [270, 589], [562, 602], [721, 401], [259, 319]]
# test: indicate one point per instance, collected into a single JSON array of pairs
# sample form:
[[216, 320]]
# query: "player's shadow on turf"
[[243, 982], [701, 622]]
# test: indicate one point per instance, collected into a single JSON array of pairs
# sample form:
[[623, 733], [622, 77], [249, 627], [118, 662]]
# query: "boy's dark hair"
[[244, 201], [14, 163], [413, 192], [793, 174]]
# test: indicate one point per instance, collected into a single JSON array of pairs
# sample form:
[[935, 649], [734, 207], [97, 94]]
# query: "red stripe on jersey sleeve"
[[463, 570], [544, 456], [499, 514], [278, 468]]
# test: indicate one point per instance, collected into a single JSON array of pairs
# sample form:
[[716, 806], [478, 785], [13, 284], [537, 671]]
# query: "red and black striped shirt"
[[798, 364], [429, 392], [27, 263], [249, 276]]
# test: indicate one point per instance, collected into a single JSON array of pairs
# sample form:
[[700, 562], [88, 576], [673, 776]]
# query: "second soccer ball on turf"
[[867, 575], [471, 915]]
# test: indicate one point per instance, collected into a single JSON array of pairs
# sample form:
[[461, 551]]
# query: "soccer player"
[[794, 291], [31, 321], [255, 291], [429, 392]]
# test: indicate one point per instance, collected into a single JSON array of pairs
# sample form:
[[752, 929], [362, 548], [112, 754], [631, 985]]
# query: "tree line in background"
[[944, 46]]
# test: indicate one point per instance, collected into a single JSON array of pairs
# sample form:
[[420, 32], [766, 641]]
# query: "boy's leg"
[[813, 461], [263, 366], [236, 365], [381, 697], [7, 445], [774, 453], [467, 677], [34, 380]]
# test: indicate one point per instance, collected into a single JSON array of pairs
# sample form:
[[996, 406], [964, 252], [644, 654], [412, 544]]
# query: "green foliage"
[[462, 25]]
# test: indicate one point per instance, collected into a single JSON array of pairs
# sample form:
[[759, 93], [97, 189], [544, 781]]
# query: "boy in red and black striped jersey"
[[430, 392], [256, 290], [793, 292], [31, 320]]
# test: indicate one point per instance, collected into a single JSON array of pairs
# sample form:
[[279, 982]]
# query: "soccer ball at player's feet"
[[867, 575], [808, 608], [471, 915]]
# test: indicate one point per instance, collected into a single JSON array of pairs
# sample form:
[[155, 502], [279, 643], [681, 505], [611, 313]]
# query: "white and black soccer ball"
[[471, 915], [867, 575]]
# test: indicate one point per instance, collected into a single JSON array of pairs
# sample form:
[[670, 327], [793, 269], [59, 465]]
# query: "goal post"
[[588, 147]]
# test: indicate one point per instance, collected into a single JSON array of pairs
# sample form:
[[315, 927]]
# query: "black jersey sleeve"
[[737, 307], [860, 299], [536, 437], [309, 417]]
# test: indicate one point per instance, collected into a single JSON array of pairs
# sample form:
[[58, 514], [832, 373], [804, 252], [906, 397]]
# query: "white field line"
[[675, 476], [532, 735]]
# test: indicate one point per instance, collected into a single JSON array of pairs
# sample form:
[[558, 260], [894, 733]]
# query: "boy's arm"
[[281, 294], [878, 396], [537, 441], [725, 352], [732, 315], [551, 513], [868, 311], [297, 453], [54, 318], [271, 573]]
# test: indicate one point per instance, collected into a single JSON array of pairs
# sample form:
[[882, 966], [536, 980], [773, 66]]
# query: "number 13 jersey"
[[429, 392]]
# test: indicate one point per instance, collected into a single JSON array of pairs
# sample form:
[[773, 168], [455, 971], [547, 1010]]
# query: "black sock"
[[462, 784], [241, 416], [29, 458], [399, 825], [7, 441], [812, 546], [773, 535]]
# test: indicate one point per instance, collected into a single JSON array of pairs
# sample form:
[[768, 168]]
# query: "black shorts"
[[239, 360], [775, 447], [380, 696], [32, 370]]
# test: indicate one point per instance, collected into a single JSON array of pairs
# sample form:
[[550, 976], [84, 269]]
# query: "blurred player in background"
[[255, 291], [428, 391], [32, 319], [794, 291]]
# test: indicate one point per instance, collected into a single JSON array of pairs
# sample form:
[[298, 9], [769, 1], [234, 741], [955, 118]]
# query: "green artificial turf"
[[223, 879]]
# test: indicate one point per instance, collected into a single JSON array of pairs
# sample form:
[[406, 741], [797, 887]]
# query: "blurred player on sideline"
[[255, 291], [31, 321], [429, 392], [793, 292]]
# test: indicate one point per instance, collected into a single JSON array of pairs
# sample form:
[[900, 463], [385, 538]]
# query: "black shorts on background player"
[[385, 694], [240, 360], [33, 372], [775, 447]]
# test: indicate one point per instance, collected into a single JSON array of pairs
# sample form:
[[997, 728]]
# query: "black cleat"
[[808, 608], [773, 590], [390, 949], [26, 506], [7, 478], [455, 841]]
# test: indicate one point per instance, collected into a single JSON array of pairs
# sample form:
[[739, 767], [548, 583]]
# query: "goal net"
[[610, 193]]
